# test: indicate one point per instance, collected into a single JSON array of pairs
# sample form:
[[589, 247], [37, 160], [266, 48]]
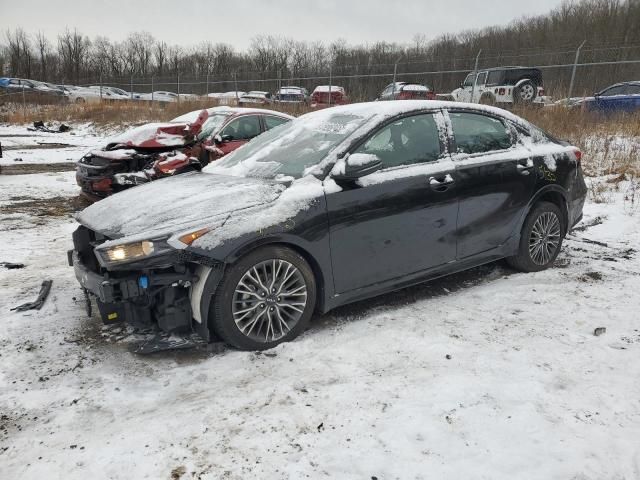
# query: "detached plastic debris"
[[162, 342], [39, 126], [12, 266], [599, 331], [37, 304]]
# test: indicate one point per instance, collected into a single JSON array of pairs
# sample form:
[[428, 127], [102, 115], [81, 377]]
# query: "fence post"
[[207, 92], [475, 73], [152, 92], [235, 82], [395, 70], [101, 88], [329, 84], [131, 91], [575, 65], [24, 105]]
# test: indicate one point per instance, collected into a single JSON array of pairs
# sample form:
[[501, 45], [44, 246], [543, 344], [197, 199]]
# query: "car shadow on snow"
[[409, 295]]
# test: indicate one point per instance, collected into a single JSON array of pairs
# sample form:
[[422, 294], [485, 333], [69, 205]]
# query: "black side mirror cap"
[[358, 165]]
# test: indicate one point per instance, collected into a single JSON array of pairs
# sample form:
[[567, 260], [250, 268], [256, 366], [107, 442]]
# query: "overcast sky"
[[188, 22]]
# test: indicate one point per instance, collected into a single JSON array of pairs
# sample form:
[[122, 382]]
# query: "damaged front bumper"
[[140, 298]]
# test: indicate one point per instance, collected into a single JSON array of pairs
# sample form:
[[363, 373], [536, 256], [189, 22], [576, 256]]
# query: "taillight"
[[404, 96], [431, 95], [103, 185], [578, 155], [540, 91]]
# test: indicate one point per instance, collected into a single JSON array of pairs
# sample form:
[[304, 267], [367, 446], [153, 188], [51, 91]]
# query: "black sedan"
[[336, 206]]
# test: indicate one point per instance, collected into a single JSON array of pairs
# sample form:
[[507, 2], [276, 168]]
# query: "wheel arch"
[[321, 274], [554, 194]]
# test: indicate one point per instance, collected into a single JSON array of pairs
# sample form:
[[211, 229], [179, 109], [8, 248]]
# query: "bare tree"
[[72, 50]]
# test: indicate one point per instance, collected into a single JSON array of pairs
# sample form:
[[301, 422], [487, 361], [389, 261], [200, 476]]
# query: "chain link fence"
[[567, 71]]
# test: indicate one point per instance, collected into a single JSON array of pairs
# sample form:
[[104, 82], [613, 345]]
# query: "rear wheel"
[[264, 299], [540, 240]]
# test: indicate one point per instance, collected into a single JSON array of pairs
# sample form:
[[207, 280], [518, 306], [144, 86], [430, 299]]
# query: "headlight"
[[128, 252]]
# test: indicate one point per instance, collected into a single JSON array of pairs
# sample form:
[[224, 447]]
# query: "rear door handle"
[[525, 168], [441, 183]]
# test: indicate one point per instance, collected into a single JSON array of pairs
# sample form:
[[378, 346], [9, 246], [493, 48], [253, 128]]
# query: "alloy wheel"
[[269, 300], [545, 238]]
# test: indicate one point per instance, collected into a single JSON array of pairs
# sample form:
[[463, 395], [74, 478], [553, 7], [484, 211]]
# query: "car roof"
[[230, 111], [393, 108]]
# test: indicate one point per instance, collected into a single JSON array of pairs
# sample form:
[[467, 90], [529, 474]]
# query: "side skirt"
[[498, 253]]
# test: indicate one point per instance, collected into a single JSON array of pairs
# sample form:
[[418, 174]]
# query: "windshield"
[[211, 125], [289, 149]]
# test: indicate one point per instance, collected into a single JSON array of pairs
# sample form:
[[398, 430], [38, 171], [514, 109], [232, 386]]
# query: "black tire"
[[487, 99], [221, 312], [525, 260], [525, 93]]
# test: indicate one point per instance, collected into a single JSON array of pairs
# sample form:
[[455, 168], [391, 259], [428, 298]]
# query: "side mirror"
[[218, 139], [359, 165]]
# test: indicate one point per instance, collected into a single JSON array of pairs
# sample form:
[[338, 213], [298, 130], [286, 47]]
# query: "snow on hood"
[[173, 204], [302, 193]]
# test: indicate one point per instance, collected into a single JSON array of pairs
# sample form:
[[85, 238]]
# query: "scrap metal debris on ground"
[[12, 266], [39, 126], [38, 302]]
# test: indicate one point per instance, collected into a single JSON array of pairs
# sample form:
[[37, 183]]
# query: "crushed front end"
[[143, 154], [101, 173], [146, 291]]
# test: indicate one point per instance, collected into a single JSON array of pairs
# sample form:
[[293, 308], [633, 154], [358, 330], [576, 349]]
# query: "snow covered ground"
[[488, 374], [21, 145]]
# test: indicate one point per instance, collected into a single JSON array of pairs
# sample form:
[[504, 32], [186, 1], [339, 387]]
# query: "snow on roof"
[[290, 91], [414, 87], [325, 88]]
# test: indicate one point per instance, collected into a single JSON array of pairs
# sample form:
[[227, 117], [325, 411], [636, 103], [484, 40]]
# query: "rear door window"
[[494, 77], [406, 141], [482, 77], [477, 133]]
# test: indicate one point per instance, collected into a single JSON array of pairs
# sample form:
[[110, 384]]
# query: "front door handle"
[[441, 183]]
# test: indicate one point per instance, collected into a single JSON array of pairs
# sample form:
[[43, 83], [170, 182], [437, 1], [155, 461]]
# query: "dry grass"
[[107, 114], [610, 145]]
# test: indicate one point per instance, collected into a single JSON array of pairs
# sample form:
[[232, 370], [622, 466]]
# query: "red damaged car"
[[157, 150]]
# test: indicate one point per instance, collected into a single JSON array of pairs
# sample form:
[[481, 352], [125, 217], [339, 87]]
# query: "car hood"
[[159, 135], [176, 204]]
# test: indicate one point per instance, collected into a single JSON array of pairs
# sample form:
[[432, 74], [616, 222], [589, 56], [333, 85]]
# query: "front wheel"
[[264, 299], [540, 240]]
